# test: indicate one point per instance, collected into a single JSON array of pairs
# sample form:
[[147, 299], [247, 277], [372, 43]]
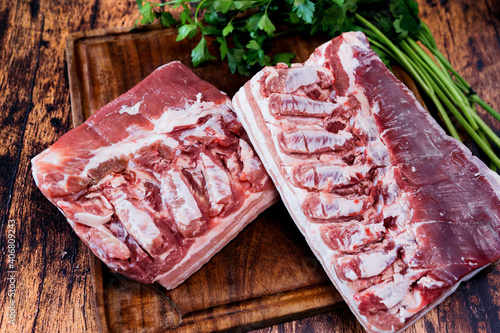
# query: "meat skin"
[[146, 183], [398, 213]]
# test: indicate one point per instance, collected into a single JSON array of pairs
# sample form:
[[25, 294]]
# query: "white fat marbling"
[[131, 110], [92, 220]]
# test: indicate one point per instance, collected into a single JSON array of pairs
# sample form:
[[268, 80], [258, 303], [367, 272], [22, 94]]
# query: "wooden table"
[[53, 290]]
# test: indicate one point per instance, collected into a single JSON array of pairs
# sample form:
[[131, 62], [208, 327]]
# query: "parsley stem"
[[381, 47], [432, 94], [485, 139], [476, 99], [487, 130], [473, 134], [197, 9], [446, 85], [428, 40], [159, 4], [431, 65], [399, 55], [450, 86]]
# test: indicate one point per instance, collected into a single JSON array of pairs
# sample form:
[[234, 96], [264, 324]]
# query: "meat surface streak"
[[397, 212], [149, 181]]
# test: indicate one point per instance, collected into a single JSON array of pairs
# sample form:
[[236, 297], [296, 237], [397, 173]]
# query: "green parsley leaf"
[[385, 24], [210, 30], [266, 24], [214, 18], [294, 19], [147, 13], [305, 10], [285, 57], [406, 17], [349, 25], [253, 45], [235, 61], [200, 54], [223, 5], [351, 5], [223, 47], [254, 56], [186, 30], [333, 19], [227, 30], [234, 57], [167, 19], [252, 23], [185, 15], [383, 56], [243, 5]]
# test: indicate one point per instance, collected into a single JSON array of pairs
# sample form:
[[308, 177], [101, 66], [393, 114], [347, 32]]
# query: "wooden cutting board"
[[266, 275]]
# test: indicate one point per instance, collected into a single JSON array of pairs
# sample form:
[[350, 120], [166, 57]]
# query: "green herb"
[[244, 29]]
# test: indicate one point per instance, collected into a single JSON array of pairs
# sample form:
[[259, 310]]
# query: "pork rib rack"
[[397, 212], [159, 180]]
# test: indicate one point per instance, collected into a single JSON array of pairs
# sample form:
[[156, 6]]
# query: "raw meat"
[[158, 180], [397, 212]]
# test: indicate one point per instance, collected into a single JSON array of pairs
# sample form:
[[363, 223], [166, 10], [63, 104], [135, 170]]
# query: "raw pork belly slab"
[[159, 180], [397, 212]]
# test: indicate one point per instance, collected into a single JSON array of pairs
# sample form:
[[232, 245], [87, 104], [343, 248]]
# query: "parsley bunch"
[[244, 29]]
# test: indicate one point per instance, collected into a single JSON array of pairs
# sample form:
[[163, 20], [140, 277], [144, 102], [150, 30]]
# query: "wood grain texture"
[[54, 293]]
